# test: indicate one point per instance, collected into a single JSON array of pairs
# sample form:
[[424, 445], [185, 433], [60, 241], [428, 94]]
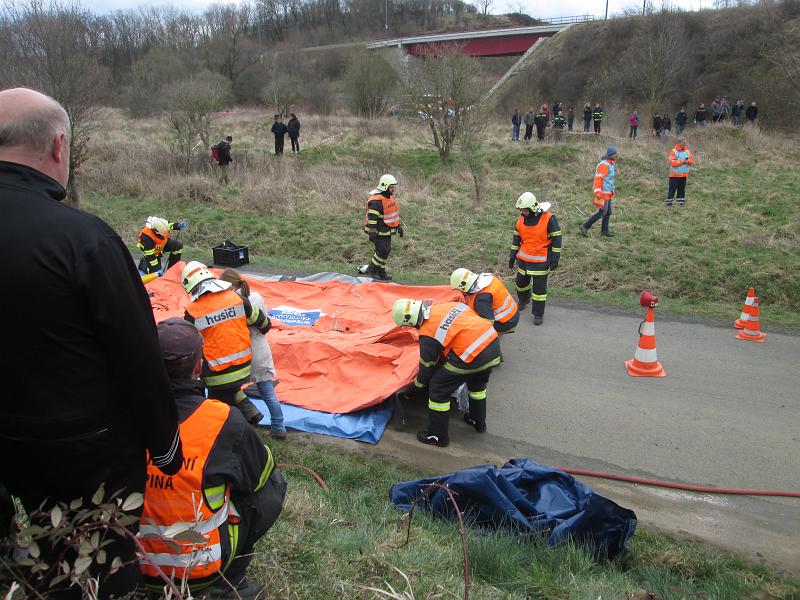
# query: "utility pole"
[[644, 7], [386, 15], [606, 9]]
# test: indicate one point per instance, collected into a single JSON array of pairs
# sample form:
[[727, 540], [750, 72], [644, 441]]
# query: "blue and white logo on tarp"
[[295, 317]]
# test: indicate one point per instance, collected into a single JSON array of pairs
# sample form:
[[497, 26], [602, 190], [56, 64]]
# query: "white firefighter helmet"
[[193, 274], [528, 200], [159, 225], [386, 181], [463, 279]]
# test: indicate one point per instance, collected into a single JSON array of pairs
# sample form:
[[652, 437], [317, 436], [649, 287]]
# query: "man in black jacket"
[[700, 115], [224, 158], [279, 130], [293, 128], [86, 395], [751, 113], [680, 121]]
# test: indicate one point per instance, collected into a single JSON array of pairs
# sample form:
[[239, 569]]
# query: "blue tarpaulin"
[[527, 496], [365, 425]]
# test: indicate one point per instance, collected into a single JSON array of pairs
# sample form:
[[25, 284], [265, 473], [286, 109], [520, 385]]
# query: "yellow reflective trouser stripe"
[[524, 288], [532, 273], [478, 395], [148, 252], [556, 250], [439, 406], [490, 364], [539, 297], [427, 363], [417, 384], [153, 262], [215, 496], [218, 380], [268, 468]]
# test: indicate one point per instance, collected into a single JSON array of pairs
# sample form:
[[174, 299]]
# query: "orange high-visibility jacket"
[[159, 241], [181, 499], [534, 240], [459, 329], [221, 320], [390, 212], [680, 161], [503, 303], [604, 182]]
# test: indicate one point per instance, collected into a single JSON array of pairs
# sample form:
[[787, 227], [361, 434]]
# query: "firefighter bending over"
[[153, 242], [487, 295]]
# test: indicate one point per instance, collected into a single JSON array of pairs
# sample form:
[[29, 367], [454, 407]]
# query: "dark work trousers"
[[540, 132], [531, 284], [174, 247], [295, 144], [258, 514], [383, 246], [632, 133], [677, 188], [597, 126], [442, 385], [278, 145], [603, 213], [528, 132]]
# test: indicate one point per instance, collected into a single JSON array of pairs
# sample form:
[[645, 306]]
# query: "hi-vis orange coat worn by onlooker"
[[679, 161], [604, 182]]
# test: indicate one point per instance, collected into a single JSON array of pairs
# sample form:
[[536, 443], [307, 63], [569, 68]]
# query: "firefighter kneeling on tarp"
[[456, 346], [227, 495]]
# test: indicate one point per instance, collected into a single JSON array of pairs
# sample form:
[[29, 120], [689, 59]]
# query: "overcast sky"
[[541, 8]]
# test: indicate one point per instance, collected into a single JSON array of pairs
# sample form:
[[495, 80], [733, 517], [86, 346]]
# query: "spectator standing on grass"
[[657, 125], [293, 129], [541, 122], [570, 118], [633, 124], [700, 115], [681, 119], [559, 122], [87, 327], [587, 117], [279, 130], [224, 158], [726, 109], [605, 188], [516, 122], [680, 159], [666, 126], [597, 117], [263, 366], [751, 113], [546, 111], [716, 110], [557, 108], [736, 112], [530, 121]]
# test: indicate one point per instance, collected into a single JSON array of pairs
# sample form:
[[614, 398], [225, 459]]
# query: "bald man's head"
[[34, 131]]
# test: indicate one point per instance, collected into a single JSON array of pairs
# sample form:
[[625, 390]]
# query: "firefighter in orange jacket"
[[456, 346], [487, 295], [228, 494], [680, 159], [381, 222], [154, 241], [222, 317], [535, 250]]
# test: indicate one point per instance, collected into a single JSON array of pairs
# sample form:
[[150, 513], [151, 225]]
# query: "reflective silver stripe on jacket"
[[230, 358], [207, 555], [202, 527], [505, 309], [465, 355], [444, 324], [219, 316], [530, 257]]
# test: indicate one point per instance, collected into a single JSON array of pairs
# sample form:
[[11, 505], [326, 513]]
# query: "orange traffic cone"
[[746, 310], [752, 327], [645, 362]]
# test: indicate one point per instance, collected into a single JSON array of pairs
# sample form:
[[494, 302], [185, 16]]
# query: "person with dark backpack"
[[221, 153]]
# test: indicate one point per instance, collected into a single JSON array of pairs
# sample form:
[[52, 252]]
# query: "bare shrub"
[[370, 83]]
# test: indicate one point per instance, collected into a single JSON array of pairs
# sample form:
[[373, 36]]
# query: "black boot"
[[251, 414], [383, 275], [432, 439]]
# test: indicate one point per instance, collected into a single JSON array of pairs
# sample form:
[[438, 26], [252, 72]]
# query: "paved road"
[[726, 415]]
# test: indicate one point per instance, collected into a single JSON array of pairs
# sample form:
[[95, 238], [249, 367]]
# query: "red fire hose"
[[319, 479], [681, 486]]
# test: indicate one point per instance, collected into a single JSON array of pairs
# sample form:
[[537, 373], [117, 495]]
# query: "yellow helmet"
[[411, 312], [159, 225], [463, 279], [194, 273], [528, 200], [386, 181]]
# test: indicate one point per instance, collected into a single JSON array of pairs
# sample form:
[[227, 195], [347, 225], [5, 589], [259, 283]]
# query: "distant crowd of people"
[[545, 116]]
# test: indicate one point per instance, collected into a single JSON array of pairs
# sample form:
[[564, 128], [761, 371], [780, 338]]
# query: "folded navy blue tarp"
[[526, 496]]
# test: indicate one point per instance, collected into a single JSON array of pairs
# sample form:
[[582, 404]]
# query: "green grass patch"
[[352, 538]]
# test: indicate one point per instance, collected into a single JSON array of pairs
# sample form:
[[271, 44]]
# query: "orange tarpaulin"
[[352, 357]]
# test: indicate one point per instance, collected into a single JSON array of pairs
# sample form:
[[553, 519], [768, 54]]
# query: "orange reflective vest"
[[459, 329], [180, 502], [680, 161], [605, 182], [221, 320], [503, 303], [159, 241], [533, 239], [389, 208]]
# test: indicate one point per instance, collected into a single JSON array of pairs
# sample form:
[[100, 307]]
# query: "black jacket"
[[681, 117], [700, 115], [224, 150], [540, 120], [86, 392], [279, 129], [751, 112], [293, 128], [657, 123], [666, 124]]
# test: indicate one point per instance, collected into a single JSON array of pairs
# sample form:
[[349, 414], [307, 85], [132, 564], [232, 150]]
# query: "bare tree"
[[51, 49], [471, 144], [281, 90], [485, 6], [443, 89], [370, 84]]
